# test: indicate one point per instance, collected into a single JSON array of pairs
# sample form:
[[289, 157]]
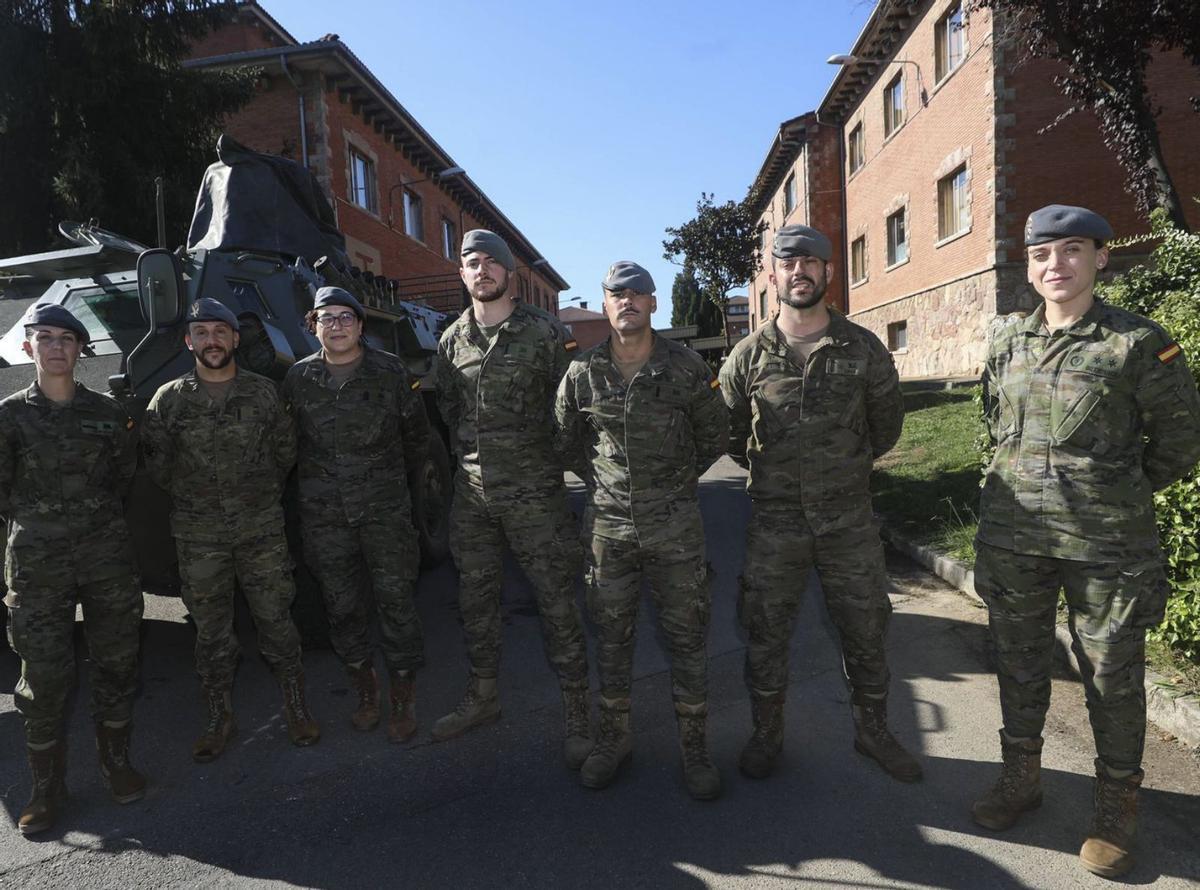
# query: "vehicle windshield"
[[110, 313]]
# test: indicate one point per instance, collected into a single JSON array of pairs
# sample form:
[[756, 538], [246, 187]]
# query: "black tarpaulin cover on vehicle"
[[266, 204]]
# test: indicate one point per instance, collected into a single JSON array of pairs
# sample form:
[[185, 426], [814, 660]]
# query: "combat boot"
[[302, 728], [613, 748], [758, 757], [124, 782], [219, 727], [480, 705], [577, 744], [1019, 788], [48, 767], [701, 777], [402, 719], [1108, 850], [366, 685], [873, 739]]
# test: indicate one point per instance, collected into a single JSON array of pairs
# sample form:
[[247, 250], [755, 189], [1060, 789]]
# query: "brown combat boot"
[[480, 705], [219, 727], [577, 718], [366, 684], [1108, 850], [701, 777], [1019, 788], [613, 748], [124, 782], [48, 767], [302, 728], [402, 720], [873, 739], [762, 750]]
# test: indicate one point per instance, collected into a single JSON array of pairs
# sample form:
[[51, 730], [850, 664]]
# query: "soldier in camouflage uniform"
[[1091, 409], [67, 457], [221, 444], [642, 418], [814, 400], [498, 368], [361, 426]]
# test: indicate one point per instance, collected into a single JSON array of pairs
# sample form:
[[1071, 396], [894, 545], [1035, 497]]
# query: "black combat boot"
[[872, 738], [701, 777], [1017, 790], [614, 746], [762, 750], [124, 782], [302, 728], [219, 727], [577, 718], [49, 767]]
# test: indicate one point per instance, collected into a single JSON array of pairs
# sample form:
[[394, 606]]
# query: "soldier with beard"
[[221, 443], [497, 372], [814, 399]]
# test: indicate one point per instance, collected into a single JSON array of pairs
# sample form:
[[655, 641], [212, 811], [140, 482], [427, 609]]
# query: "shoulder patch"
[[1169, 353], [571, 345], [416, 384], [129, 423], [714, 384]]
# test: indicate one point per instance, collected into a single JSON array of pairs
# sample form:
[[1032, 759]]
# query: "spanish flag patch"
[[416, 384], [129, 424], [570, 344], [714, 384], [1169, 353]]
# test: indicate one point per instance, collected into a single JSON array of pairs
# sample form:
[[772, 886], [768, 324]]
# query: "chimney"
[[583, 304]]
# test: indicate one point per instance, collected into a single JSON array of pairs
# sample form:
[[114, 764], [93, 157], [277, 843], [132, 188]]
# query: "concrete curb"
[[1176, 714]]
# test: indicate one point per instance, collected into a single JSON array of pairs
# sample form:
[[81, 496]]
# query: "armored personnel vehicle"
[[262, 240]]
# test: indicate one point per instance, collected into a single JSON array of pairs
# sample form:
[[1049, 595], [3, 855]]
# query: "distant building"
[[401, 200], [587, 327], [737, 317]]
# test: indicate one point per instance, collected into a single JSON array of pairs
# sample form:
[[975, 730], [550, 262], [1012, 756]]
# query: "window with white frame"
[[897, 238], [893, 105], [953, 208], [949, 46], [897, 336], [858, 260], [414, 225], [362, 181], [789, 195], [449, 239]]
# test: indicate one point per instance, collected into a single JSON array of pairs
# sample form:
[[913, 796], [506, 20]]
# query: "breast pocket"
[[1089, 414], [244, 435]]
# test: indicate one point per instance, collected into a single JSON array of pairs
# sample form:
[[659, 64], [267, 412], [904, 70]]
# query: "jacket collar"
[[1085, 326]]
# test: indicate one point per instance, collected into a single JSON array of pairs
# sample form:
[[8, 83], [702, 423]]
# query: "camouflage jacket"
[[1087, 423], [63, 472], [498, 402], [642, 446], [811, 433], [356, 443], [223, 466]]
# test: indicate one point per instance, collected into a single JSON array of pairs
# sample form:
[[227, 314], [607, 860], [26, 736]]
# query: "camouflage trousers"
[[260, 563], [677, 576], [380, 556], [781, 550], [1109, 607], [41, 630], [538, 529]]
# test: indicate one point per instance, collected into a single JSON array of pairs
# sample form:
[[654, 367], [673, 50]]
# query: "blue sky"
[[596, 126]]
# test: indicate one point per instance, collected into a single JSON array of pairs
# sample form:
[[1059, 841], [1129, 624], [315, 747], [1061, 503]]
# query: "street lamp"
[[851, 59], [444, 174]]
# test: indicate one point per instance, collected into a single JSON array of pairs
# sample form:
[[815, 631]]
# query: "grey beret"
[[791, 241], [55, 316], [628, 274], [493, 245], [1056, 221], [208, 309], [336, 296]]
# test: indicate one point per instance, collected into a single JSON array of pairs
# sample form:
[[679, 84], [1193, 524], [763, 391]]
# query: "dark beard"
[[502, 289], [222, 362], [815, 296]]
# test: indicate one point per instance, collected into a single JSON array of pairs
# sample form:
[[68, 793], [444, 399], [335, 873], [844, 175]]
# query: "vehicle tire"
[[432, 486]]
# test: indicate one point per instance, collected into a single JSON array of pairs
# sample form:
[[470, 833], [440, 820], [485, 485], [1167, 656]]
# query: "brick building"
[[586, 326], [737, 317], [400, 199], [943, 156]]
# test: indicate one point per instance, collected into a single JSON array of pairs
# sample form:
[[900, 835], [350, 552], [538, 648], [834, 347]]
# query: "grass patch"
[[927, 487]]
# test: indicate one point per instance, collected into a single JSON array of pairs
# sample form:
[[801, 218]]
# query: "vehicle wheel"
[[432, 487]]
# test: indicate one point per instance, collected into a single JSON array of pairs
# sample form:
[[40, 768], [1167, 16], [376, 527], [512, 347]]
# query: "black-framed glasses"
[[338, 319]]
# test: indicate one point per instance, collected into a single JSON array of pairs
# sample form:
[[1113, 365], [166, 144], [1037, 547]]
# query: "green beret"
[[336, 296], [55, 316], [1056, 221], [792, 241], [208, 309], [625, 274], [483, 241]]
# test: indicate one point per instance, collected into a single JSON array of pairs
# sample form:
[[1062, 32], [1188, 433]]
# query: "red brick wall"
[[903, 169], [240, 35]]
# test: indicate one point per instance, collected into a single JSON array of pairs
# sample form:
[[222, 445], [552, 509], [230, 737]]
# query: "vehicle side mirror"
[[160, 288]]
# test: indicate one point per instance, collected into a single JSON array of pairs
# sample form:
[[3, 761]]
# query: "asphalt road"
[[497, 808]]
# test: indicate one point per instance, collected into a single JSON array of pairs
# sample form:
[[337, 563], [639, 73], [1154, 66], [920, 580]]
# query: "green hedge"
[[1168, 291]]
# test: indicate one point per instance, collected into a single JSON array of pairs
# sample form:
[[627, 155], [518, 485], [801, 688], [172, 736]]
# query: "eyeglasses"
[[340, 320]]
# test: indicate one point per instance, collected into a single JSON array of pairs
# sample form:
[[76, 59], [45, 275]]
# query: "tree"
[[1105, 47], [94, 104], [721, 244]]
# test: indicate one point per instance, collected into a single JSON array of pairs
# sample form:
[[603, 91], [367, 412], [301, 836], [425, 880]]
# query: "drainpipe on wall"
[[295, 81]]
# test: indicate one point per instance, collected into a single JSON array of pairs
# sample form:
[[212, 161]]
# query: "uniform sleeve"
[[157, 447], [710, 421], [283, 436], [732, 379], [991, 396], [569, 428], [8, 463], [1169, 407], [414, 422], [885, 403], [448, 402]]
